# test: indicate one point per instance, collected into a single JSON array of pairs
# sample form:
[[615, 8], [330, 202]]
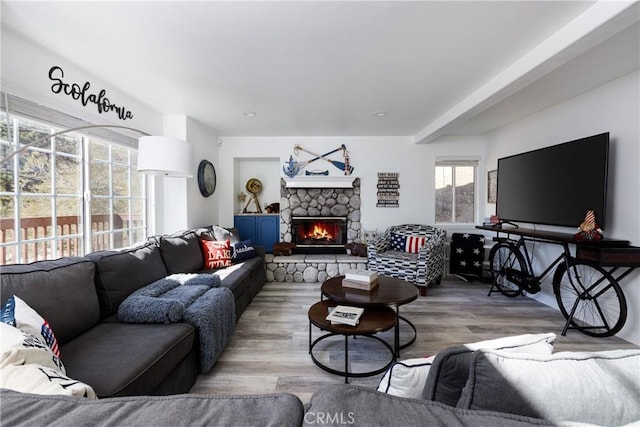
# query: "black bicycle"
[[588, 296]]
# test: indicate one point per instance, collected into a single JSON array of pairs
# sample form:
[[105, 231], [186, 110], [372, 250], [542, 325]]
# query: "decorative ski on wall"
[[388, 190]]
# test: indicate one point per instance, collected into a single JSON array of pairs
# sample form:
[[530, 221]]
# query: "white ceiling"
[[324, 68]]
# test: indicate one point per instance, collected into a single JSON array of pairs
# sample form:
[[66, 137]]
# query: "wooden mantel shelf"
[[320, 181]]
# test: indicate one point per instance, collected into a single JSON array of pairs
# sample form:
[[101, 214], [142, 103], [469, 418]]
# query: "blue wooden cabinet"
[[262, 229]]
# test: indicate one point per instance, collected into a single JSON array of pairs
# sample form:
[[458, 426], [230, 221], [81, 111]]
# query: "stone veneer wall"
[[310, 268], [316, 202], [320, 202]]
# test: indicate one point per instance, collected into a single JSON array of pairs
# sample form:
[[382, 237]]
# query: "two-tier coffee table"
[[372, 321], [390, 292]]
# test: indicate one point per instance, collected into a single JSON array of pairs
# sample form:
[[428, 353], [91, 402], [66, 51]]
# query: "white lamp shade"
[[159, 155]]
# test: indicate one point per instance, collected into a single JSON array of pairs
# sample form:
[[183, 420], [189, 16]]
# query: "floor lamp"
[[157, 155]]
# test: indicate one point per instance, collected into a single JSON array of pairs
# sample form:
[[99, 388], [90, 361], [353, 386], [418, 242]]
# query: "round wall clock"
[[206, 178]]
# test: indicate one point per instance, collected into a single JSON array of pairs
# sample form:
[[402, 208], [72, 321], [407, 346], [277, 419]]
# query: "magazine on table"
[[366, 276], [345, 315]]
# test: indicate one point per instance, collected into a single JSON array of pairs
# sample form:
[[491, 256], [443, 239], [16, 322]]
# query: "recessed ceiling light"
[[249, 114], [380, 113]]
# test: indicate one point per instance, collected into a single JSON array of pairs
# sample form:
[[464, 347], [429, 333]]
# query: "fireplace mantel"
[[320, 181]]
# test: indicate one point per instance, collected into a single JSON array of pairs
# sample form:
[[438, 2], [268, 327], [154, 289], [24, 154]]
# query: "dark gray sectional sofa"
[[31, 410], [80, 296], [128, 363]]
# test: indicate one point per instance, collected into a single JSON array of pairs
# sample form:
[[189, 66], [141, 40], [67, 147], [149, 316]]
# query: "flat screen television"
[[555, 185]]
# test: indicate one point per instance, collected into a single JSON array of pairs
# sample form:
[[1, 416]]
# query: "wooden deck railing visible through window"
[[37, 240]]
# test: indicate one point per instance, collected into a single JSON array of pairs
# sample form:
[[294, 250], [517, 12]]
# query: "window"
[[455, 191], [117, 204], [69, 196]]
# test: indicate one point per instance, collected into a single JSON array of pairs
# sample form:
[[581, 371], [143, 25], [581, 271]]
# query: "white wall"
[[25, 73], [368, 156], [612, 108], [263, 169], [180, 205], [202, 210], [173, 203]]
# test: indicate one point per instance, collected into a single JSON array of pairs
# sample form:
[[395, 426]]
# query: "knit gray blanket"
[[197, 299]]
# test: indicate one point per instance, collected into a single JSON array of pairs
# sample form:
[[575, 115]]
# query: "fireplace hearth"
[[319, 234]]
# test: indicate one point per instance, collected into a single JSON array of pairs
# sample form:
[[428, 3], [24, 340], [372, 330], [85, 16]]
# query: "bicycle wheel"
[[590, 297], [502, 259]]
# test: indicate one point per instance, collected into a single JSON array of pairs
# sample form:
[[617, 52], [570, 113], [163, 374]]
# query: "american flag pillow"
[[17, 313], [411, 244]]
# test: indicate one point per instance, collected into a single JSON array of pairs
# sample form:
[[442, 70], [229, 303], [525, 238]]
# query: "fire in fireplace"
[[319, 233]]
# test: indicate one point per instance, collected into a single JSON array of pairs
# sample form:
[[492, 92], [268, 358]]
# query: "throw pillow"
[[450, 368], [597, 388], [217, 254], [242, 251], [28, 365], [410, 244], [406, 378], [230, 234], [16, 312]]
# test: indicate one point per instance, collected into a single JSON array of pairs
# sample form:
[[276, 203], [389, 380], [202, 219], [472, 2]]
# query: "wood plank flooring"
[[268, 351]]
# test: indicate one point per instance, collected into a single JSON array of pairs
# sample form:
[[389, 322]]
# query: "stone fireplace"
[[338, 209]]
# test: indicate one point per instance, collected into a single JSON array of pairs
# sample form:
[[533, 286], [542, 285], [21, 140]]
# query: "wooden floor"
[[268, 351]]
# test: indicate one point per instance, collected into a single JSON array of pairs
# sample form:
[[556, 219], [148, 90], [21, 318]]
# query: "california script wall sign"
[[82, 94]]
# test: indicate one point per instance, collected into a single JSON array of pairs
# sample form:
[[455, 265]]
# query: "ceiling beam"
[[601, 21]]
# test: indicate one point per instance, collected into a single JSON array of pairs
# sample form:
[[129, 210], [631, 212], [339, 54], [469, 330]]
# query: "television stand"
[[582, 284], [500, 223]]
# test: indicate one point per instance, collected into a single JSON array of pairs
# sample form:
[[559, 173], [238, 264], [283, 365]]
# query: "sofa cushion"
[[48, 285], [450, 368], [28, 365], [393, 256], [221, 233], [599, 388], [236, 277], [406, 378], [120, 272], [277, 409], [347, 404], [124, 359], [181, 252]]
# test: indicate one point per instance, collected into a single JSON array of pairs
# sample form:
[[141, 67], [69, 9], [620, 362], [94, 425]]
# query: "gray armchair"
[[397, 253]]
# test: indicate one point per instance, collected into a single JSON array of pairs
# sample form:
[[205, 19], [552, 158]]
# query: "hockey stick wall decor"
[[292, 167], [339, 165]]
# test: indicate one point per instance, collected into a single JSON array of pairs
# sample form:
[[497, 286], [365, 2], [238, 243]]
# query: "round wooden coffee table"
[[372, 321], [390, 292]]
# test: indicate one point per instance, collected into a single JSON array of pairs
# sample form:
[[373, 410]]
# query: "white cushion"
[[16, 312], [406, 378], [600, 388], [28, 365], [450, 368]]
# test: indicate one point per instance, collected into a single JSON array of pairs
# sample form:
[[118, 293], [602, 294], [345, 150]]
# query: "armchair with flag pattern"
[[412, 252]]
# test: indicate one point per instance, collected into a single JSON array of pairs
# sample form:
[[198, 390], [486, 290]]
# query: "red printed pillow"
[[217, 254]]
